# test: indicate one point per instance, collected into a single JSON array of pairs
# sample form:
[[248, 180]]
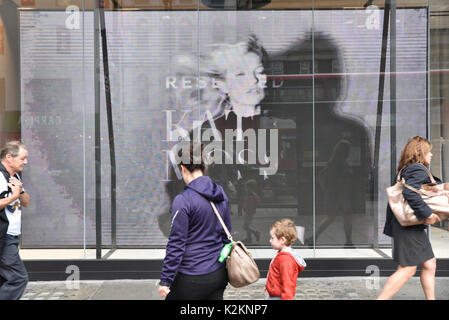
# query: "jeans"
[[13, 275]]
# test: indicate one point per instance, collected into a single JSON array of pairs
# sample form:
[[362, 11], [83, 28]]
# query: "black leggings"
[[209, 286]]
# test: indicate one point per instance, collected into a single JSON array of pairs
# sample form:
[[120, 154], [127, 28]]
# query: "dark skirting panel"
[[60, 270]]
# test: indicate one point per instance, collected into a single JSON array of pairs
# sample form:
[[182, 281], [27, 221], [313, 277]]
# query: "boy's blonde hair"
[[285, 228]]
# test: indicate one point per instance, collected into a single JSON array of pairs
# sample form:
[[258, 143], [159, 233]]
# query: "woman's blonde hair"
[[285, 228], [208, 69], [415, 151]]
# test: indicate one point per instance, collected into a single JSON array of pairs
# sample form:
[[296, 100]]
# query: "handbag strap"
[[412, 188], [432, 179], [422, 192], [221, 220]]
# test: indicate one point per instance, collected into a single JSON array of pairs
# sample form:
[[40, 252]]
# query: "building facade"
[[303, 107]]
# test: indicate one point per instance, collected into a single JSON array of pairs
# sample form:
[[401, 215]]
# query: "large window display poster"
[[285, 103]]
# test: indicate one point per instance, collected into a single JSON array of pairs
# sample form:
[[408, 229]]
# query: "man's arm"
[[13, 197]]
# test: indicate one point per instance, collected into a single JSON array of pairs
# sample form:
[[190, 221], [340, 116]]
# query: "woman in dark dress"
[[411, 245]]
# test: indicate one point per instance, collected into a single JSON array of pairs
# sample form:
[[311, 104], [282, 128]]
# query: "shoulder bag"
[[436, 196], [242, 269]]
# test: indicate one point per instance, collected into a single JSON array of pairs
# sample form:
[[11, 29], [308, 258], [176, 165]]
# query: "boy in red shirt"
[[286, 265]]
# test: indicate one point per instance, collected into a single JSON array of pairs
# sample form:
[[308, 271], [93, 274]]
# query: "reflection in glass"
[[335, 181], [314, 106]]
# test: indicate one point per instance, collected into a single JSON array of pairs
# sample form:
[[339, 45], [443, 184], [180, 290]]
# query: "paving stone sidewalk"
[[337, 288]]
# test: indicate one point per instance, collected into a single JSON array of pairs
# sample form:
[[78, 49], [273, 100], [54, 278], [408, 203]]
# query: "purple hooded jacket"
[[196, 236]]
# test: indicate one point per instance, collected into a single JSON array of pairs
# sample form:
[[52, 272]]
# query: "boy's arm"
[[289, 275]]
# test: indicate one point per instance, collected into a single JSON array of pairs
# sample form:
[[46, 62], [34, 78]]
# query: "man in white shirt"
[[13, 274]]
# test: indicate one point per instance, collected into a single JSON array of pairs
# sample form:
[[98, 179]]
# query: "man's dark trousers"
[[12, 270]]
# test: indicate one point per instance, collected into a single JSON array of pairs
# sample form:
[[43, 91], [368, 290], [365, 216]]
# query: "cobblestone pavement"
[[337, 288]]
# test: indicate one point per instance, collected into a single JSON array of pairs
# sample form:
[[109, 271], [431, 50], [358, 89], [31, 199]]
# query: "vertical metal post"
[[107, 89], [313, 131], [84, 131], [428, 95], [97, 132], [383, 59], [393, 78]]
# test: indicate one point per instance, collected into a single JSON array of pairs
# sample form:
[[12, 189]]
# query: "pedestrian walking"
[[286, 265], [13, 274], [191, 268], [411, 245]]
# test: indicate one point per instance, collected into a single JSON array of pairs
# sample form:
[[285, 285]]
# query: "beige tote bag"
[[242, 269], [436, 196]]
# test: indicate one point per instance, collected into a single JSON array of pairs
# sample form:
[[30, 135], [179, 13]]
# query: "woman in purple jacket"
[[411, 245], [191, 268]]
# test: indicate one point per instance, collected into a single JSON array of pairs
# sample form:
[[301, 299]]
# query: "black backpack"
[[4, 222]]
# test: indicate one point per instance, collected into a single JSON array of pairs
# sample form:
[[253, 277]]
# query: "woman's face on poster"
[[245, 80]]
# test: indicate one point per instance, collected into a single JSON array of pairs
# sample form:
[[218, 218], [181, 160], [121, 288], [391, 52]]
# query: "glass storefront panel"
[[239, 73], [49, 78], [439, 106], [361, 87], [345, 99], [150, 101], [263, 106]]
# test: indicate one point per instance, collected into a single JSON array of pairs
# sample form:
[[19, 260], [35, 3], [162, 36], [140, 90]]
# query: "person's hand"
[[432, 219], [16, 186], [15, 182], [163, 291]]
